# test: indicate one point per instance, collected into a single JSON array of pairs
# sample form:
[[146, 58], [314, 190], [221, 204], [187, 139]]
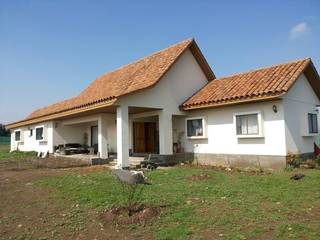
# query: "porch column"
[[122, 137], [165, 132], [102, 136]]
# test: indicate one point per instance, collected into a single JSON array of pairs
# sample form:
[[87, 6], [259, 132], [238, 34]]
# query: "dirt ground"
[[30, 212]]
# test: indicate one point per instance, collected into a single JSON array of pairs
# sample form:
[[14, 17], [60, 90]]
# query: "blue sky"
[[51, 50]]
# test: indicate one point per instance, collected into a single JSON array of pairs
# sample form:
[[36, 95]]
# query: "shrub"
[[309, 163], [294, 160], [318, 160], [132, 193]]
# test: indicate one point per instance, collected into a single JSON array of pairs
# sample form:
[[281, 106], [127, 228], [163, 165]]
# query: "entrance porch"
[[119, 132]]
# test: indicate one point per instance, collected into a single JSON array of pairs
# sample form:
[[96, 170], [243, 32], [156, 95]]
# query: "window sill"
[[250, 136], [197, 137], [310, 135]]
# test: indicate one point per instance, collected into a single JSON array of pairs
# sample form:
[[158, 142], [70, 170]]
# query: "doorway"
[[144, 137], [94, 138]]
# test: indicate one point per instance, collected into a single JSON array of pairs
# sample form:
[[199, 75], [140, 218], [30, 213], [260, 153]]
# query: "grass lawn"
[[5, 153], [224, 205]]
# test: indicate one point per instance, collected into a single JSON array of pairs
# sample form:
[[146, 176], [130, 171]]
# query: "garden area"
[[182, 202], [200, 203]]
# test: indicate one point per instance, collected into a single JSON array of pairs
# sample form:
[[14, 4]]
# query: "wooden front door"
[[144, 137]]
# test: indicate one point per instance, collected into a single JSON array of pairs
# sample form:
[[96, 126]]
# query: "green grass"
[[5, 153], [225, 206]]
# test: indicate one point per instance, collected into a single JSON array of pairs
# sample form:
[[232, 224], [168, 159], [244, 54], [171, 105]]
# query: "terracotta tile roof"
[[259, 84], [143, 73]]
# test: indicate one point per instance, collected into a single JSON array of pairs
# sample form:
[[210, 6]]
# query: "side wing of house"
[[300, 111], [222, 143], [36, 137]]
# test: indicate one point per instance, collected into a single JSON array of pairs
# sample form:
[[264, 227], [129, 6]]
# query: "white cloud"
[[299, 30]]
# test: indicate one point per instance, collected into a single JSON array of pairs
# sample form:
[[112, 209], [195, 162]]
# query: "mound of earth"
[[136, 214]]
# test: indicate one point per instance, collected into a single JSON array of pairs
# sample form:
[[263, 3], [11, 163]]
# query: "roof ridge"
[[263, 68]]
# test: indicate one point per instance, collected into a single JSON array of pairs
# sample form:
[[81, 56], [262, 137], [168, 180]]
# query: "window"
[[39, 133], [17, 135], [195, 127], [247, 124], [312, 123]]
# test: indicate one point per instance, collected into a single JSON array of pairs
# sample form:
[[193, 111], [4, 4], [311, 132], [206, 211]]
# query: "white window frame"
[[31, 130], [305, 125], [21, 137], [260, 125], [310, 113], [43, 134], [204, 126]]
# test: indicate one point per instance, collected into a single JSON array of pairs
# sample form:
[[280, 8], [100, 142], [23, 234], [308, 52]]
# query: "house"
[[171, 103]]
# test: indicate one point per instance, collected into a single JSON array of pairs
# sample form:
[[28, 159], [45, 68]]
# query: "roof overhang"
[[313, 78], [232, 102], [195, 50], [62, 114]]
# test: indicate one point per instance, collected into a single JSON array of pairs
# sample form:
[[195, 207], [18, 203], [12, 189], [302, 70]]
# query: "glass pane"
[[315, 123], [244, 125], [17, 136], [194, 127], [247, 124], [39, 133], [252, 124], [238, 123], [310, 122]]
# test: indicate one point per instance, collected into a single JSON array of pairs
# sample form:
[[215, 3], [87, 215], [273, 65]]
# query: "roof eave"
[[229, 103], [204, 65], [62, 114]]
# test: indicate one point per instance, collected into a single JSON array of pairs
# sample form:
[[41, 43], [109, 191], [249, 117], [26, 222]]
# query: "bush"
[[293, 160], [318, 160], [309, 163]]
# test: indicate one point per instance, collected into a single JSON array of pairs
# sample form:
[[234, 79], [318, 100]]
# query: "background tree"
[[4, 131]]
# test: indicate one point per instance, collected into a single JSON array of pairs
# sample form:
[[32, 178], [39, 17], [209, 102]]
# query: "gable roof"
[[106, 89], [256, 85]]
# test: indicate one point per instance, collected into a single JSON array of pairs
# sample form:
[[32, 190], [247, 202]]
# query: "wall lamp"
[[274, 108]]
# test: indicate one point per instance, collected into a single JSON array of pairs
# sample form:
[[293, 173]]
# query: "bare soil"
[[31, 212], [136, 214]]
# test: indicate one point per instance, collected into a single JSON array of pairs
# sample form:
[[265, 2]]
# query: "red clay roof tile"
[[127, 79], [254, 85]]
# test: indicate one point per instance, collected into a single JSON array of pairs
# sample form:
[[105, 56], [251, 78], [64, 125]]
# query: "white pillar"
[[165, 132], [102, 136], [122, 137]]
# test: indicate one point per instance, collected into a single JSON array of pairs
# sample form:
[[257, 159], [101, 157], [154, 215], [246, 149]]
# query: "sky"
[[52, 50]]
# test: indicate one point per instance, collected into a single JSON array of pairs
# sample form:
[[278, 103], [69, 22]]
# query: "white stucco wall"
[[29, 143], [70, 134], [179, 83], [73, 130], [221, 131], [62, 132], [298, 102]]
